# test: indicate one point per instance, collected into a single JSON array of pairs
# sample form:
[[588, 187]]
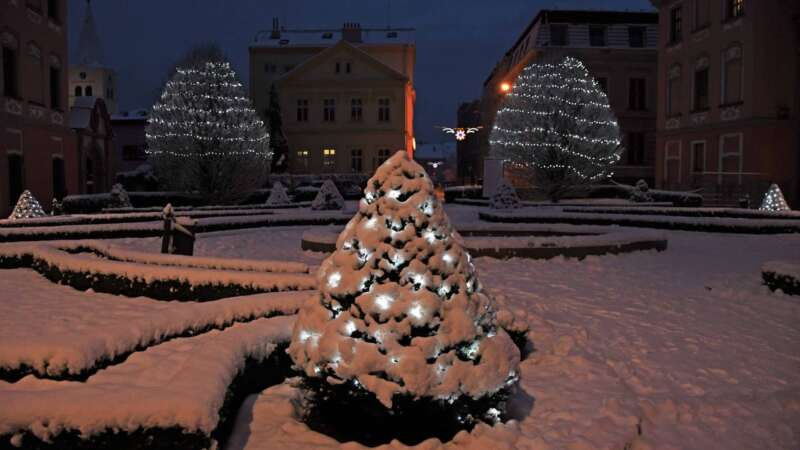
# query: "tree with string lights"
[[401, 320], [204, 135], [774, 200], [556, 125]]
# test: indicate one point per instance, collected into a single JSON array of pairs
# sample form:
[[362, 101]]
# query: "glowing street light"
[[505, 87]]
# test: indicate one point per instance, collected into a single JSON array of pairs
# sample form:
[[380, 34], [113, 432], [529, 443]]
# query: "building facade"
[[90, 121], [37, 147], [620, 51], [346, 96], [729, 98], [130, 143]]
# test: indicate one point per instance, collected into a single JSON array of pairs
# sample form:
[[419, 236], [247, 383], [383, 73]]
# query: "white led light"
[[384, 301], [416, 311], [334, 279]]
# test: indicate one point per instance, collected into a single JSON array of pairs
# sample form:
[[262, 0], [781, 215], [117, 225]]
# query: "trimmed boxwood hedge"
[[643, 223], [119, 285], [257, 375]]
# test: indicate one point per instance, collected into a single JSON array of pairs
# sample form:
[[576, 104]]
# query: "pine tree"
[[27, 207], [278, 195], [119, 197], [505, 197], [277, 143], [204, 134], [641, 192], [328, 197], [557, 125], [774, 200], [400, 314]]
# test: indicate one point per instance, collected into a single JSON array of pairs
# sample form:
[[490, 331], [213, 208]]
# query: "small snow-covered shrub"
[[505, 197], [278, 195], [328, 197], [401, 326], [119, 197], [641, 192], [27, 207]]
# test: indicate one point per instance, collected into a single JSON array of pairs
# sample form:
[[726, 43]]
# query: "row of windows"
[[637, 92], [356, 110], [16, 178], [53, 8], [339, 67], [87, 91], [731, 86], [731, 10], [11, 69], [729, 158], [559, 35], [329, 159]]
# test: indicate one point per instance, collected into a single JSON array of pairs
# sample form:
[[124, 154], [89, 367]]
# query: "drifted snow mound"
[[27, 207], [278, 195], [505, 197], [328, 197], [400, 308]]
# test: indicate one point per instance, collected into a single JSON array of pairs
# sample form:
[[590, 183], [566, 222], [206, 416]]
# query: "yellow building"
[[346, 96]]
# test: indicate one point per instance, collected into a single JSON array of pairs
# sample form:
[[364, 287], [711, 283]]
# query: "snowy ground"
[[680, 349]]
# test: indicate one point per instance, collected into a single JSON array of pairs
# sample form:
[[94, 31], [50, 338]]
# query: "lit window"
[[303, 159], [329, 159]]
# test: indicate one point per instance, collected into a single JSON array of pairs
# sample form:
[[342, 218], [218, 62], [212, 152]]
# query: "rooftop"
[[279, 36]]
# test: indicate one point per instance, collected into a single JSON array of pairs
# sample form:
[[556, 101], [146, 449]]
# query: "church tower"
[[88, 75]]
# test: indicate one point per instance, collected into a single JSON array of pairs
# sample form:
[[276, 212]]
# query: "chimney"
[[276, 30], [351, 32]]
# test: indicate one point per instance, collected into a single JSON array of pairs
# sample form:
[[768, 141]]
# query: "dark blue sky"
[[458, 41]]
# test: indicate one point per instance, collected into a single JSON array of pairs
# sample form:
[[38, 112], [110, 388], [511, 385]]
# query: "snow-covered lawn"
[[680, 349]]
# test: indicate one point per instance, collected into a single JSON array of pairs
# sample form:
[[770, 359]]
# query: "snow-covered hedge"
[[736, 213], [112, 327], [463, 192], [156, 228], [92, 203], [328, 198], [708, 224], [677, 198], [86, 271], [783, 275], [183, 394]]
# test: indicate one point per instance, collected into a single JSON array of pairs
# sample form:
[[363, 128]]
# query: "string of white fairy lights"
[[531, 93], [229, 116]]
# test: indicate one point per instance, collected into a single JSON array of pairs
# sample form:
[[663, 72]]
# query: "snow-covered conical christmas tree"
[[328, 197], [505, 197], [27, 207], [278, 195], [774, 200], [557, 125], [400, 311]]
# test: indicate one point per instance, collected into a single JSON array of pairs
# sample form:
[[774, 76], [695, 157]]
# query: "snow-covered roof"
[[133, 115], [329, 37]]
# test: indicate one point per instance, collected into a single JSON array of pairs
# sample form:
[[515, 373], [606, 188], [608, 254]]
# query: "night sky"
[[458, 41]]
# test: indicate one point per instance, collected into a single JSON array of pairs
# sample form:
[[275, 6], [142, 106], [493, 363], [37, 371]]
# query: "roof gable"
[[321, 66]]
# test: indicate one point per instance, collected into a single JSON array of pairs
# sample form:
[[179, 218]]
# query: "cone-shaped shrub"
[[27, 207], [119, 197], [328, 197], [400, 311], [774, 200], [278, 195], [505, 197]]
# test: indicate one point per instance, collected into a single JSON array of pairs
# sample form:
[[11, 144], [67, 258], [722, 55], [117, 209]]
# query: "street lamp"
[[505, 87]]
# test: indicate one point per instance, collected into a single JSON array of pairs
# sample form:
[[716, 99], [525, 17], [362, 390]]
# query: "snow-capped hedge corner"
[[278, 195], [401, 313], [505, 197], [328, 197]]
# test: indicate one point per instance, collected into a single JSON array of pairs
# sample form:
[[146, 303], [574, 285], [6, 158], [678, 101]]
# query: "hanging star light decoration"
[[459, 132]]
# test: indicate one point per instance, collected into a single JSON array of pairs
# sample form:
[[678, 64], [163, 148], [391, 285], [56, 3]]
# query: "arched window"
[[732, 75], [78, 91], [59, 181], [674, 90], [15, 177], [88, 91]]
